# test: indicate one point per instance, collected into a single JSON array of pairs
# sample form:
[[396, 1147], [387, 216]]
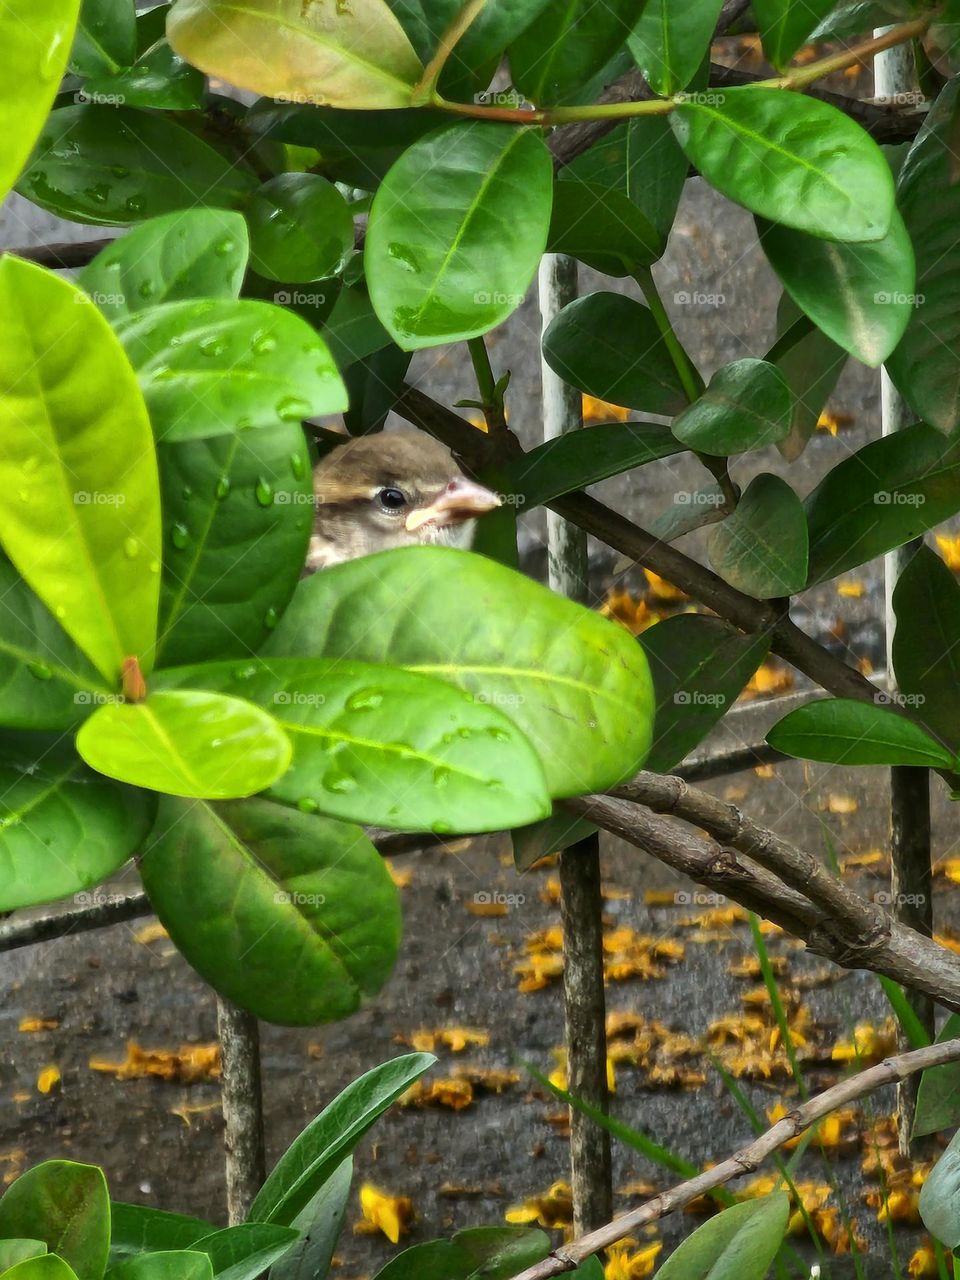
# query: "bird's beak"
[[461, 500]]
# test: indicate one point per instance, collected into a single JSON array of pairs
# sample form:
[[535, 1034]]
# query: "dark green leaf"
[[374, 385], [66, 1205], [689, 510], [165, 1264], [938, 1095], [843, 731], [670, 40], [762, 548], [352, 330], [566, 45], [319, 1222], [138, 1228], [13, 1251], [789, 158], [811, 364], [784, 25], [738, 1244], [159, 79], [601, 227], [940, 1197], [861, 16], [541, 839], [300, 228], [699, 666], [105, 38], [245, 1251], [746, 406], [885, 494], [575, 684], [926, 644], [609, 346], [479, 1253], [431, 275]]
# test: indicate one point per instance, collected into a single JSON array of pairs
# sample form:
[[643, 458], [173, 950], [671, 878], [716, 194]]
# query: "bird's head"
[[399, 489]]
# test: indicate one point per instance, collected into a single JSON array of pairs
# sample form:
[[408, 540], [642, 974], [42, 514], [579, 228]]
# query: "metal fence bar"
[[241, 1094]]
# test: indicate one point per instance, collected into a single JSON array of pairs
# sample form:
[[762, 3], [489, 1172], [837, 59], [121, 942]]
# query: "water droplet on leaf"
[[364, 700], [180, 535], [264, 492]]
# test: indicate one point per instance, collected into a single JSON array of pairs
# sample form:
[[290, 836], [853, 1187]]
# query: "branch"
[[747, 1159]]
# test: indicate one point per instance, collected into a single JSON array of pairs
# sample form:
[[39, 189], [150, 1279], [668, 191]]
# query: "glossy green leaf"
[[940, 1197], [784, 25], [380, 745], [62, 827], [860, 295], [738, 1244], [885, 494], [862, 16], [237, 513], [105, 37], [82, 517], [315, 1154], [213, 366], [429, 268], [541, 839], [670, 41], [699, 666], [352, 330], [300, 228], [926, 364], [789, 158], [290, 915], [245, 1251], [811, 364], [192, 253], [576, 685], [188, 743], [374, 385], [114, 165], [584, 457], [926, 643], [762, 548], [843, 731], [138, 1228], [601, 227], [689, 509], [320, 1223], [13, 1251], [609, 346], [66, 1205], [44, 1266], [493, 1253], [746, 406], [165, 1264], [354, 55], [160, 79], [566, 45], [938, 1094]]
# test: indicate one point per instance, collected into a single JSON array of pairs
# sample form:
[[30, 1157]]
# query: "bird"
[[391, 489]]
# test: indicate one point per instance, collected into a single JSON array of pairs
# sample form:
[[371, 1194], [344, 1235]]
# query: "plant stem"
[[490, 396], [426, 86]]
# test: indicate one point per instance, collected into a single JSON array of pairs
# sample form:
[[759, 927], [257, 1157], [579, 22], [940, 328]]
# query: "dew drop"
[[223, 488], [100, 193], [298, 465], [364, 700], [120, 171], [339, 781], [271, 618], [131, 548], [441, 828], [441, 775], [40, 670], [133, 204], [154, 566], [402, 256], [263, 344], [60, 611], [264, 492], [180, 535], [307, 804], [213, 345], [498, 735], [292, 409], [187, 493], [224, 247], [146, 289], [50, 59], [464, 732], [244, 673]]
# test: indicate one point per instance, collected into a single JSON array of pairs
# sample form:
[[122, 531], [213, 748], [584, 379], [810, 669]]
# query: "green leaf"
[[746, 406], [300, 228], [245, 1251], [789, 158], [192, 253], [13, 1251], [138, 1228], [319, 1222], [541, 839], [926, 365], [940, 1197], [909, 1023], [584, 457], [66, 1205], [352, 330], [62, 828], [785, 25], [212, 366], [740, 1243], [609, 346], [237, 512], [574, 683], [374, 385], [926, 656], [493, 1253], [379, 745], [567, 45], [843, 731], [884, 495], [938, 1094], [601, 227], [166, 1264], [670, 41], [313, 1157], [699, 666], [291, 915], [811, 364], [114, 165], [82, 519], [159, 79], [43, 1266], [431, 270], [187, 742], [105, 38], [689, 509], [860, 295], [762, 548], [352, 56]]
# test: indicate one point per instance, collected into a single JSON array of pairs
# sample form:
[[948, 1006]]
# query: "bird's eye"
[[392, 499]]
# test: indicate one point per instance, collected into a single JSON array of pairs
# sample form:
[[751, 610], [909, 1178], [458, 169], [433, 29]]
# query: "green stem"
[[690, 379], [491, 398], [426, 86]]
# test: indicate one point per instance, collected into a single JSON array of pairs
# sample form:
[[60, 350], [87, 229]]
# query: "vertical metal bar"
[[242, 1100], [580, 901]]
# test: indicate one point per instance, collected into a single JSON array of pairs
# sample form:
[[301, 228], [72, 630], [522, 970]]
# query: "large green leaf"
[[187, 742], [300, 228], [542, 839], [575, 684], [670, 40], [139, 1228], [860, 295], [602, 227], [811, 364], [885, 494], [192, 253], [165, 1264], [43, 1266], [784, 25], [699, 666], [245, 1251], [291, 915], [353, 55], [609, 346], [584, 457], [843, 731], [237, 512], [926, 643], [456, 231], [789, 158], [938, 1094], [81, 520], [66, 1205], [214, 365], [940, 1196], [762, 548], [319, 1222], [105, 39], [566, 45], [160, 79], [926, 364], [352, 330], [478, 1253], [62, 827], [380, 745], [13, 1251], [314, 1155], [115, 165], [738, 1244], [746, 406]]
